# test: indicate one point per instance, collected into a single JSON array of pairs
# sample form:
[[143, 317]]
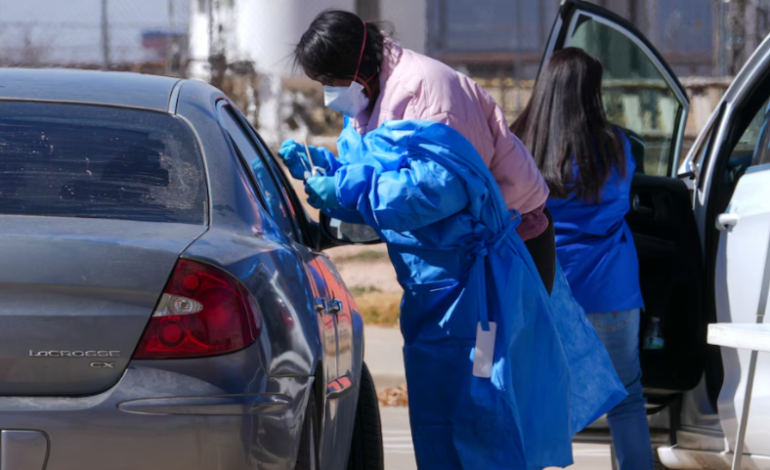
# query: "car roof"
[[87, 86]]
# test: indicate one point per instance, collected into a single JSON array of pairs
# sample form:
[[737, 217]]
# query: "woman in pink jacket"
[[371, 79]]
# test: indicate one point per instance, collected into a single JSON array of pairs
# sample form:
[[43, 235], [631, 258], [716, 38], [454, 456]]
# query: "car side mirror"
[[344, 233]]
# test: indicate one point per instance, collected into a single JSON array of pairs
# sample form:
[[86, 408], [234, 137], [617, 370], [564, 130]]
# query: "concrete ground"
[[384, 357], [385, 360], [399, 454]]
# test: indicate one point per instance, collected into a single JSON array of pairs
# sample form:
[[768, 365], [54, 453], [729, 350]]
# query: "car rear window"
[[70, 160]]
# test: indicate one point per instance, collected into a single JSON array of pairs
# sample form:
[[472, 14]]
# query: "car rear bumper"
[[160, 419]]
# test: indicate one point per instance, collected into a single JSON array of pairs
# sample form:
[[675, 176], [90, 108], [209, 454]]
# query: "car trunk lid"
[[75, 297]]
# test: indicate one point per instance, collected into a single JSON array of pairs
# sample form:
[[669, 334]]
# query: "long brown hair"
[[564, 125]]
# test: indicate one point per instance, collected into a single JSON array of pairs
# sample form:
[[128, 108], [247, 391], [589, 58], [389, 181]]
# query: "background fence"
[[497, 42], [106, 34], [489, 39]]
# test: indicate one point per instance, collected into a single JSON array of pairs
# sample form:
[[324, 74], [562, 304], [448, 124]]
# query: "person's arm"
[[324, 158], [419, 194], [301, 159]]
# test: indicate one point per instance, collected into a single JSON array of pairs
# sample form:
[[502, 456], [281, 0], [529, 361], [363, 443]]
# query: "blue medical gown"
[[429, 195], [595, 246]]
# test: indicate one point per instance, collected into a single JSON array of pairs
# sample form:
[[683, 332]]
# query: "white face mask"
[[348, 100]]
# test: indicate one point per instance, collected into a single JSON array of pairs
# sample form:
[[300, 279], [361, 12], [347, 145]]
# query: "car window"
[[637, 96], [68, 160], [699, 153], [280, 176], [749, 150], [761, 154], [748, 141], [269, 189]]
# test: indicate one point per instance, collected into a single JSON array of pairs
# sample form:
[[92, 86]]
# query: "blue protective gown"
[[596, 247], [429, 195]]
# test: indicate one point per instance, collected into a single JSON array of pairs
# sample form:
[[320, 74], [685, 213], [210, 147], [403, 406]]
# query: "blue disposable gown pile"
[[427, 192]]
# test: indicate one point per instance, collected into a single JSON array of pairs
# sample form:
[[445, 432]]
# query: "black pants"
[[543, 251]]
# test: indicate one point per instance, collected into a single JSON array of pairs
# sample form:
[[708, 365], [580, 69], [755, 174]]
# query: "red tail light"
[[203, 312]]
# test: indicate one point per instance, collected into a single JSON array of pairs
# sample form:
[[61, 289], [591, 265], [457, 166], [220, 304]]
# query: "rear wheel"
[[307, 458], [366, 448]]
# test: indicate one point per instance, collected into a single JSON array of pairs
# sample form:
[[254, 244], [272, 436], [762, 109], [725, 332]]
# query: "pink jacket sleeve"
[[511, 164]]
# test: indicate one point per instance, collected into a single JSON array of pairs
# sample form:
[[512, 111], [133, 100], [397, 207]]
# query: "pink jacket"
[[413, 86]]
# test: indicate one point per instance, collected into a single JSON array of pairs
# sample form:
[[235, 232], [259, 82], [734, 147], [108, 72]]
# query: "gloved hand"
[[322, 192], [296, 159]]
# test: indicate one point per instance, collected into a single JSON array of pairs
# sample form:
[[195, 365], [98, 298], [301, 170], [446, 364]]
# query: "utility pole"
[[171, 38], [735, 34], [518, 67], [217, 52], [720, 39], [653, 21], [751, 40], [105, 37], [211, 36]]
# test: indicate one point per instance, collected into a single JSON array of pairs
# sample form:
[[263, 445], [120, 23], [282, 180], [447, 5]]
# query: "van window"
[[637, 96], [750, 150]]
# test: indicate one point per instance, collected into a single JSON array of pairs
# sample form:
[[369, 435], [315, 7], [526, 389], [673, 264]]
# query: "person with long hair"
[[369, 78], [588, 165]]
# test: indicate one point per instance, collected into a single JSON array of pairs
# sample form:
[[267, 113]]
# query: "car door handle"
[[726, 221], [320, 305], [637, 206], [335, 306]]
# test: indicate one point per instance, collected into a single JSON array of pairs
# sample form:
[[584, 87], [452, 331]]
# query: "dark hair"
[[331, 46], [564, 124]]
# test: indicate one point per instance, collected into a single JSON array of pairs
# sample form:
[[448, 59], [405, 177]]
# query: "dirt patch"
[[366, 268], [394, 397], [379, 308], [364, 256], [370, 276], [353, 253]]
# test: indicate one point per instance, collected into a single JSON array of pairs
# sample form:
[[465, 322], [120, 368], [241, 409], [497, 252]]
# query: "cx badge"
[[103, 365]]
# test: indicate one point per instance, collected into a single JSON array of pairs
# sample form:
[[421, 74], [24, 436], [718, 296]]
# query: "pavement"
[[399, 453], [384, 357]]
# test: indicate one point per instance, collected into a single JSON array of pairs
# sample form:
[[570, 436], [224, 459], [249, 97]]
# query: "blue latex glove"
[[296, 160], [322, 192]]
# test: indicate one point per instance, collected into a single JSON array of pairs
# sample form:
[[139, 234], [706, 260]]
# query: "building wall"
[[409, 17], [493, 37]]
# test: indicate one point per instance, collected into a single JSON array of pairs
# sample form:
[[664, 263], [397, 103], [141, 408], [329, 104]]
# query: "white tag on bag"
[[484, 353]]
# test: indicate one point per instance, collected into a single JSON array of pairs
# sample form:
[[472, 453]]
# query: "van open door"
[[643, 96], [742, 274]]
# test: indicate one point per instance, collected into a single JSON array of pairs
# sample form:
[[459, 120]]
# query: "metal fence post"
[[105, 26]]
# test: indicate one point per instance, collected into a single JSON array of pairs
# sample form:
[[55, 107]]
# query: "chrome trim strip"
[[209, 405]]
